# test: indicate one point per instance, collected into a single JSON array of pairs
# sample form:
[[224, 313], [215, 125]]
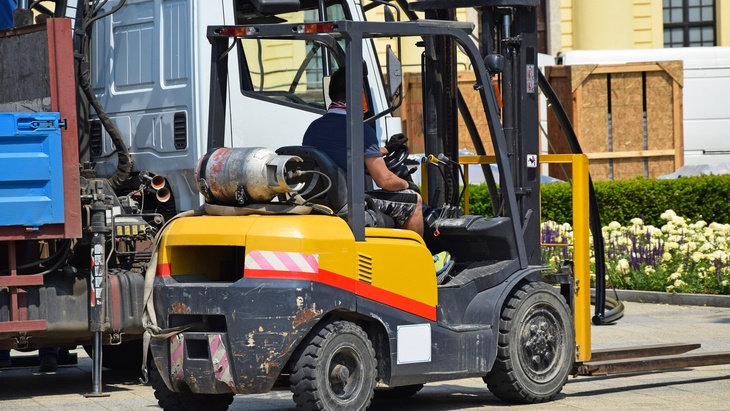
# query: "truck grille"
[[180, 126], [96, 135]]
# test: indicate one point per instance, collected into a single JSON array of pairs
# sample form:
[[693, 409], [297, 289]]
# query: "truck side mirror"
[[395, 72], [494, 63]]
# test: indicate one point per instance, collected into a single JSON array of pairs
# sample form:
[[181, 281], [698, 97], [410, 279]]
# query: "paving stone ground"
[[702, 388]]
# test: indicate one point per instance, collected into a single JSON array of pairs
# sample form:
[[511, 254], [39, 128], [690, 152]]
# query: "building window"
[[689, 23]]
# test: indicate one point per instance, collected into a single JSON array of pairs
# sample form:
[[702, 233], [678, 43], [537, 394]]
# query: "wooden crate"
[[628, 118], [411, 113]]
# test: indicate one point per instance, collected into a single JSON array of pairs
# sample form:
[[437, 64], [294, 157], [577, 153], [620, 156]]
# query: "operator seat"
[[336, 197]]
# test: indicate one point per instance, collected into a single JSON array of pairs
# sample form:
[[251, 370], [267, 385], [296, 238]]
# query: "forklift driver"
[[396, 197]]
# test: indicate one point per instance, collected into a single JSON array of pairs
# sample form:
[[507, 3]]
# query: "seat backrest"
[[314, 184]]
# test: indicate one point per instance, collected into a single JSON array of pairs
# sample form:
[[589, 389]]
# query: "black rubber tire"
[[536, 346], [335, 370], [186, 400], [405, 391]]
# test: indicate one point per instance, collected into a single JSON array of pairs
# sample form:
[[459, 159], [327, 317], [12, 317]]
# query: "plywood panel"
[[560, 81], [644, 136], [412, 112], [627, 109], [593, 114], [659, 111], [474, 103]]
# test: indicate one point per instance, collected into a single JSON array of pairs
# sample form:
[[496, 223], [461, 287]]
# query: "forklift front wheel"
[[536, 340], [336, 369]]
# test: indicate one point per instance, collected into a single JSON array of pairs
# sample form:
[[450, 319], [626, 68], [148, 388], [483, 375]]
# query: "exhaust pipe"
[[156, 183], [163, 194]]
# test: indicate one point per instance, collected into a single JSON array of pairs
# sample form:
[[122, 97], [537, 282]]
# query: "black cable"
[[92, 17], [321, 193], [63, 252]]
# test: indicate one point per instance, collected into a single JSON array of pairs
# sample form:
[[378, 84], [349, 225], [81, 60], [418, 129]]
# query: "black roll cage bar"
[[353, 32]]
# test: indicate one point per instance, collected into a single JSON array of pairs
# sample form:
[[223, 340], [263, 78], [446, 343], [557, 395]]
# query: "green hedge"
[[704, 197]]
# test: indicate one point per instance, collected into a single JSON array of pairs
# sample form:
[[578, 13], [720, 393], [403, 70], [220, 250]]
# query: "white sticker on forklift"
[[532, 161], [414, 343]]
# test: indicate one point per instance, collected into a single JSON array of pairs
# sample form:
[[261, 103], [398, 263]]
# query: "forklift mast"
[[509, 30]]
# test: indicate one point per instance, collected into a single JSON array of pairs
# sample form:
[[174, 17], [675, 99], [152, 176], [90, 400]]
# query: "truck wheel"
[[536, 346], [186, 400], [405, 391], [335, 370]]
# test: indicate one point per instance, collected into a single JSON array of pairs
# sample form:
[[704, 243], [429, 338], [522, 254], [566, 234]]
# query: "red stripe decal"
[[348, 284], [396, 300], [163, 270]]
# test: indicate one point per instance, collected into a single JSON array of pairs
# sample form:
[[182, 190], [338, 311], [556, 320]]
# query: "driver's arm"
[[383, 177]]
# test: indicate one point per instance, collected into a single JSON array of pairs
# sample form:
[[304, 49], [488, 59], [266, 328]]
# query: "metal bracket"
[[241, 197], [204, 189]]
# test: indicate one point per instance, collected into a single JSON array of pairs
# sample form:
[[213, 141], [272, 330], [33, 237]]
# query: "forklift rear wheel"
[[536, 339], [186, 400], [335, 370]]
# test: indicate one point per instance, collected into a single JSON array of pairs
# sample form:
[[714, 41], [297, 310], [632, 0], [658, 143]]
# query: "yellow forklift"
[[286, 278]]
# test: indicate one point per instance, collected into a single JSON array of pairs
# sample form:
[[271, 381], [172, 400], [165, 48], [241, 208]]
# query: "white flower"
[[666, 257], [623, 266]]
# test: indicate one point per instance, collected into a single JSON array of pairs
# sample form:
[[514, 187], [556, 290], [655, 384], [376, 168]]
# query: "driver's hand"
[[395, 141]]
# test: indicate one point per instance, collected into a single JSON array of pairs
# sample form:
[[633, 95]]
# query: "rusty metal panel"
[[63, 99]]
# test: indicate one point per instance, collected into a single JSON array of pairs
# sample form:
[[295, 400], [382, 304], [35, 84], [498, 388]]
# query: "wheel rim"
[[541, 343], [345, 373]]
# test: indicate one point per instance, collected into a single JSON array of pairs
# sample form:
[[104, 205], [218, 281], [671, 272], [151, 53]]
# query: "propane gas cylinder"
[[238, 176]]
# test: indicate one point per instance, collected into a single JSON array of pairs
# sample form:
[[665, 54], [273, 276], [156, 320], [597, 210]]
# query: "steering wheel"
[[395, 160]]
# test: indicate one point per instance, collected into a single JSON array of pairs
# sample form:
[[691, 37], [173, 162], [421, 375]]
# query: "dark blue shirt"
[[329, 134]]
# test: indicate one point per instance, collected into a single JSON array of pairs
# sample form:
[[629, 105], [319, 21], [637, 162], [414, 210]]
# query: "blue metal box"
[[31, 170]]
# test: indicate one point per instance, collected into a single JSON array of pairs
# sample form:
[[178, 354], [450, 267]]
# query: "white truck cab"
[[151, 73]]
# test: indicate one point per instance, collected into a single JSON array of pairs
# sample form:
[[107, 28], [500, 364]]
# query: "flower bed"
[[681, 256]]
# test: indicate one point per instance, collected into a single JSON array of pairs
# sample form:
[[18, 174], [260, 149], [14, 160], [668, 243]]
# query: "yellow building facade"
[[626, 24]]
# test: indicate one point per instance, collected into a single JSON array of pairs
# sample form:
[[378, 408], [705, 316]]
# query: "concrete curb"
[[709, 300]]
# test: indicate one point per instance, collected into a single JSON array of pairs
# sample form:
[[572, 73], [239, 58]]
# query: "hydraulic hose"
[[125, 161], [615, 312]]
